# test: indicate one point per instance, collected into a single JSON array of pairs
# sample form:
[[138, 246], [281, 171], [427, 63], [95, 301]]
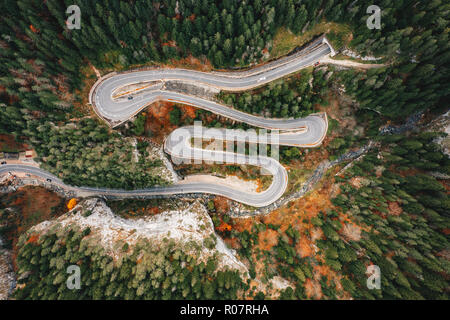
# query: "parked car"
[[3, 162], [316, 64], [49, 180], [130, 98]]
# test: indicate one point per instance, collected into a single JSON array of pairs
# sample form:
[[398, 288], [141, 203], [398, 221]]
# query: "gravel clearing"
[[230, 181]]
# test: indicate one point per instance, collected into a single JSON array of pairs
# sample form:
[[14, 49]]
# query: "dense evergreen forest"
[[282, 99], [402, 212], [40, 56], [42, 66], [106, 162], [408, 245], [147, 271]]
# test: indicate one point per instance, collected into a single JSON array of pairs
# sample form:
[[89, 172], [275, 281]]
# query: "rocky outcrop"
[[190, 226], [7, 275], [442, 124], [350, 53]]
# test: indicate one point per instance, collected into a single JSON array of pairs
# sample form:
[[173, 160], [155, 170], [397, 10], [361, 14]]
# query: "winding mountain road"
[[117, 111], [114, 109]]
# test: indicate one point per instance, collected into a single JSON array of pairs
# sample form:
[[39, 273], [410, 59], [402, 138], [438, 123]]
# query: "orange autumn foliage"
[[224, 227], [33, 239], [32, 28], [72, 203], [189, 111]]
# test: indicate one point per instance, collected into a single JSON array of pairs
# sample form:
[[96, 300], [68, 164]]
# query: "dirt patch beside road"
[[158, 123], [9, 144], [191, 63], [27, 207], [234, 182]]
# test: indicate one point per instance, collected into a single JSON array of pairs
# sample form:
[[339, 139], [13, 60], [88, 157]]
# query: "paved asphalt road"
[[118, 111], [303, 132]]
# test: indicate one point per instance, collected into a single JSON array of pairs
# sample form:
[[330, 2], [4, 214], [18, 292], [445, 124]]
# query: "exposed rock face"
[[189, 224], [7, 276], [442, 123], [355, 55]]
